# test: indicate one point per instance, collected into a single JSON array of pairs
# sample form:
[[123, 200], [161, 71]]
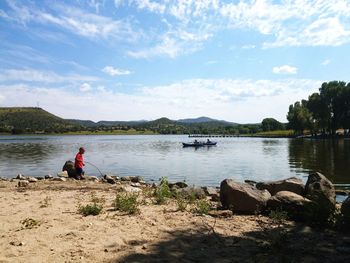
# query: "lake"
[[152, 157]]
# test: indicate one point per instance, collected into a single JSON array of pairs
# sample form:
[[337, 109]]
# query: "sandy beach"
[[41, 223]]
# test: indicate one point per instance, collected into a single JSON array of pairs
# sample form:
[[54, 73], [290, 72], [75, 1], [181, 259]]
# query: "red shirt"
[[79, 161]]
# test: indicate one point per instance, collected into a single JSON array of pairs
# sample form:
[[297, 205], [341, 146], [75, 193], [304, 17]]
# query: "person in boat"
[[79, 164], [208, 141], [196, 142]]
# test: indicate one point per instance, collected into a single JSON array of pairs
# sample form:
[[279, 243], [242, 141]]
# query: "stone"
[[213, 192], [220, 213], [136, 179], [191, 192], [58, 179], [69, 167], [295, 205], [131, 189], [23, 183], [63, 174], [48, 176], [32, 179], [109, 179], [125, 178], [91, 178], [178, 185], [292, 184], [20, 177], [135, 184], [322, 192], [242, 197], [251, 182]]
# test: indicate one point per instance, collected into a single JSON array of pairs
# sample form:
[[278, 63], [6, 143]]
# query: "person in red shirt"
[[79, 164]]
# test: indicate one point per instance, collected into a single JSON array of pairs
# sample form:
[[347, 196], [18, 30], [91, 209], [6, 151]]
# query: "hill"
[[32, 120], [205, 120]]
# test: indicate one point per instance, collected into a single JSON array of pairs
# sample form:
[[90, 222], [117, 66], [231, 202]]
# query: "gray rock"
[[191, 192], [20, 177], [125, 178], [48, 176], [213, 192], [59, 179], [23, 183], [109, 179], [220, 213], [69, 167], [63, 174], [91, 178], [295, 205], [136, 179], [292, 184], [322, 192], [178, 185], [241, 197], [32, 179], [131, 189]]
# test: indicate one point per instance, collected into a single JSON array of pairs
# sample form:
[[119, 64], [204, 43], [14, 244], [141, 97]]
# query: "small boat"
[[193, 144], [210, 143]]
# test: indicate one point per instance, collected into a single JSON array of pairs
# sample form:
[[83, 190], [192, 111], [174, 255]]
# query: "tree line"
[[324, 112]]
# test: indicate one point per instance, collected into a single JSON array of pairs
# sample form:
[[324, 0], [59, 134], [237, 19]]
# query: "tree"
[[299, 117], [270, 124]]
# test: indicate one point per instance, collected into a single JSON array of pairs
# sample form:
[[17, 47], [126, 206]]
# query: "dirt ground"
[[41, 223]]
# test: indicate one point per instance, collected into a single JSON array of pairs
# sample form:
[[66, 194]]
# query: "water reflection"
[[330, 157]]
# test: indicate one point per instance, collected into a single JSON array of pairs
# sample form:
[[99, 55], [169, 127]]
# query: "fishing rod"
[[96, 168]]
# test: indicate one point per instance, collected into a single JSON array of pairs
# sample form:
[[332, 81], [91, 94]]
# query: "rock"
[[39, 178], [220, 213], [135, 184], [131, 189], [20, 177], [295, 205], [242, 197], [91, 178], [191, 192], [59, 179], [136, 179], [63, 174], [212, 192], [109, 179], [48, 176], [322, 192], [178, 185], [23, 183], [32, 179], [125, 178], [69, 167], [251, 182], [292, 184], [345, 210]]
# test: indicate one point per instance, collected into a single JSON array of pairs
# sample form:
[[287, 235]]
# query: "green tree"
[[299, 117], [270, 124]]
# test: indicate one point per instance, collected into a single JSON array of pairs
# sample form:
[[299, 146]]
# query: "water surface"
[[163, 155]]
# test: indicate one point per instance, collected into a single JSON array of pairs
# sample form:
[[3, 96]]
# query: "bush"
[[126, 203], [278, 216], [162, 192], [90, 209], [181, 202], [202, 207]]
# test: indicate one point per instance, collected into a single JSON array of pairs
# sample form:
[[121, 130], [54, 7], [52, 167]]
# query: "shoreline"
[[158, 233]]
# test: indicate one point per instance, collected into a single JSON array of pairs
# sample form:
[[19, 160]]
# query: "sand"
[[159, 233]]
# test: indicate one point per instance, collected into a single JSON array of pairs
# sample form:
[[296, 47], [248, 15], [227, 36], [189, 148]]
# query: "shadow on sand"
[[292, 243]]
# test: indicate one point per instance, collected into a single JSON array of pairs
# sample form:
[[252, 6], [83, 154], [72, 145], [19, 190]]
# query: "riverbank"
[[42, 223]]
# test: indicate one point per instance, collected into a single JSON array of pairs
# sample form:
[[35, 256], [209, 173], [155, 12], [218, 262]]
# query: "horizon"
[[142, 60]]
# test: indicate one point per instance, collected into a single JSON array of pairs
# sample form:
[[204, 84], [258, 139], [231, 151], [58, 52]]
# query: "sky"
[[240, 61]]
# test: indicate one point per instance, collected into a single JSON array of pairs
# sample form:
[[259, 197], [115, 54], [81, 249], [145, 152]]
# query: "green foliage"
[[278, 216], [270, 124], [126, 202], [202, 207], [90, 209], [162, 192], [181, 202]]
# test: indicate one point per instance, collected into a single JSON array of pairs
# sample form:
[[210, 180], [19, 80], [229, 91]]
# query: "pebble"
[[20, 177], [23, 183], [48, 176], [32, 180], [59, 179]]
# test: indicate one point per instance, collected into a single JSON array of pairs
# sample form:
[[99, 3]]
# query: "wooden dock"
[[212, 136]]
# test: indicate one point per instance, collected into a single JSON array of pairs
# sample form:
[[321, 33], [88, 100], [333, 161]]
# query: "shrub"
[[278, 216], [46, 202], [125, 202], [181, 202], [90, 209], [162, 192], [202, 207]]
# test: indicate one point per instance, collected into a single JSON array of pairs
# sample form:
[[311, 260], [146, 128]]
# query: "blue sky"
[[240, 61]]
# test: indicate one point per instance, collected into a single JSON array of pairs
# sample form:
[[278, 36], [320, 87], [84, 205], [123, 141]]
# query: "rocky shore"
[[281, 221]]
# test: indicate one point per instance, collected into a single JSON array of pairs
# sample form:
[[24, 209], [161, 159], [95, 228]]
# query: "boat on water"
[[199, 144]]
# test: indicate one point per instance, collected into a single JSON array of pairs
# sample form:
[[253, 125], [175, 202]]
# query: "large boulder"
[[296, 206], [69, 167], [322, 192], [242, 197], [191, 192], [292, 184]]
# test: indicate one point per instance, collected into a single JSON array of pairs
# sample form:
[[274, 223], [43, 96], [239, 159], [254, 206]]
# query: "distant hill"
[[32, 120], [204, 120]]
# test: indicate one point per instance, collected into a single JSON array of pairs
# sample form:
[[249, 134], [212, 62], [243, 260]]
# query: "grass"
[[93, 209], [181, 202], [126, 202], [278, 133], [162, 192], [202, 207], [46, 202], [278, 216]]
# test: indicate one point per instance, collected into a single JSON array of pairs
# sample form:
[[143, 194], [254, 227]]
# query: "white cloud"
[[85, 87], [151, 6], [248, 47], [285, 69], [326, 62], [234, 100], [31, 75], [115, 71]]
